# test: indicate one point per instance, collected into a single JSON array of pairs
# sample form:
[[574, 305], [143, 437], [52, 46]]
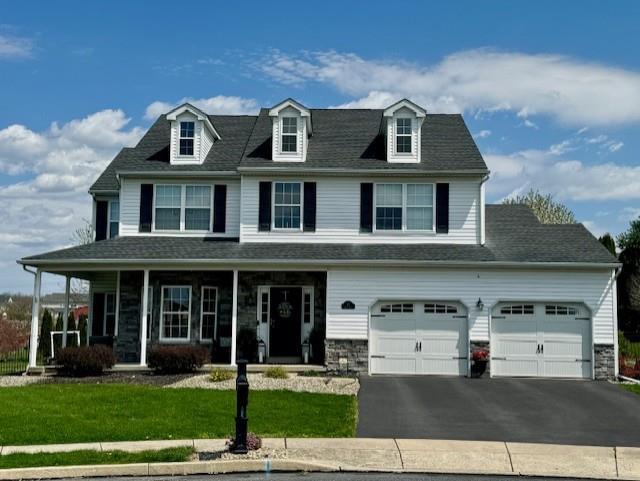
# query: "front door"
[[286, 316]]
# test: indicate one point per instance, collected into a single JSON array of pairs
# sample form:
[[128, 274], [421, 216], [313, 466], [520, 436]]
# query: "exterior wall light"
[[480, 304]]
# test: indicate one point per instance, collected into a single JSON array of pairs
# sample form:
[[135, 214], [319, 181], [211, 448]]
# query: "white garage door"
[[419, 338], [541, 340]]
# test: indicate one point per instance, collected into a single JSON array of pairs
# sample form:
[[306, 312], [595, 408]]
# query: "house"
[[359, 234]]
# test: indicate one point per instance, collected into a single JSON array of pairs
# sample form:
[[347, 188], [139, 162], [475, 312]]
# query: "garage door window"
[[396, 308], [555, 310], [521, 309], [440, 309]]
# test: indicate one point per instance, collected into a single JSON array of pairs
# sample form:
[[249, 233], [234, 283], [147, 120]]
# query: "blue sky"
[[550, 90]]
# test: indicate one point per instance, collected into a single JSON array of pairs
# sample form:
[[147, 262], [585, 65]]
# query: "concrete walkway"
[[362, 455]]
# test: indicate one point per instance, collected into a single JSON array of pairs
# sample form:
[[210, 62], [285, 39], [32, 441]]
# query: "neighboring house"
[[55, 302], [365, 228]]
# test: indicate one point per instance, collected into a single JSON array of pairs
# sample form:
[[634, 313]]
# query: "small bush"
[[85, 360], [220, 375], [177, 359], [312, 373], [276, 372]]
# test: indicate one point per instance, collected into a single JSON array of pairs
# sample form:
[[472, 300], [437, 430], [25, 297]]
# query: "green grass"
[[68, 413], [635, 388], [77, 458]]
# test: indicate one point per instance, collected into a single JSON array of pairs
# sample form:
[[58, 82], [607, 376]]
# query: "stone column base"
[[604, 361], [346, 356]]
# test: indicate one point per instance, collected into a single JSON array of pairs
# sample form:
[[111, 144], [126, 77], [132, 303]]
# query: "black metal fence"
[[14, 362]]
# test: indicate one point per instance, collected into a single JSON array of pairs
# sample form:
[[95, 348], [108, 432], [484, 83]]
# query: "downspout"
[[482, 215]]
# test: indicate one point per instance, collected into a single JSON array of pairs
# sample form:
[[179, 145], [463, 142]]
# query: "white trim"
[[143, 318], [35, 311], [234, 317], [199, 114], [404, 229], [282, 134], [162, 337], [183, 209], [215, 315], [109, 220], [396, 135], [404, 103], [65, 312], [273, 206], [614, 309], [115, 329], [304, 112], [149, 310]]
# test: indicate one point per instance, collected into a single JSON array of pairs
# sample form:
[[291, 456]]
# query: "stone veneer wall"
[[345, 356], [604, 361], [127, 345]]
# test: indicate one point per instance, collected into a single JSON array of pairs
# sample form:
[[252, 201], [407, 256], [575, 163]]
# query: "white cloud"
[[220, 104], [630, 213], [482, 134], [570, 90], [15, 47]]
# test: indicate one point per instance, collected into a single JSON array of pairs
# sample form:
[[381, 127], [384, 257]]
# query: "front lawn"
[[77, 458], [43, 414], [632, 387]]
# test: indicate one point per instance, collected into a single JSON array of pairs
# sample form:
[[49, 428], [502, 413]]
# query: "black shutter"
[[97, 321], [146, 207], [366, 207], [102, 209], [442, 208], [309, 215], [219, 208], [264, 214]]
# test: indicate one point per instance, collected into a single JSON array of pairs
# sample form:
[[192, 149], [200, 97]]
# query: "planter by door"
[[286, 314]]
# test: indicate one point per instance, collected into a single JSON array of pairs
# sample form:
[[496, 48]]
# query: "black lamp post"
[[242, 400]]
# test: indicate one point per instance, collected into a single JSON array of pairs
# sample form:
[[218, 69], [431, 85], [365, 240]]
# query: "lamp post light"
[[242, 401]]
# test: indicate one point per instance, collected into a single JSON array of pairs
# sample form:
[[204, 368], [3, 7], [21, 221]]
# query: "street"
[[328, 477]]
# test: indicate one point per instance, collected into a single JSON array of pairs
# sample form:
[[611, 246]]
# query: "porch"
[[274, 317]]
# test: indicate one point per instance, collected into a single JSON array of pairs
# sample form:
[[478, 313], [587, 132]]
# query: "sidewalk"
[[361, 455]]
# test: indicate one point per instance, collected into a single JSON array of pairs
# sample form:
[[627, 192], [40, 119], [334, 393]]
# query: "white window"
[[389, 206], [264, 305], [197, 214], [307, 305], [287, 205], [289, 137], [109, 314], [208, 313], [114, 218], [440, 309], [519, 309], [404, 207], [149, 316], [403, 135], [187, 135], [396, 308], [419, 206], [555, 310], [175, 313], [168, 203]]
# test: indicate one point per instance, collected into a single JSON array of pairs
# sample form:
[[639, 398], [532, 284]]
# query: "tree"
[[14, 335], [607, 241], [544, 207], [45, 333], [83, 327], [19, 309], [630, 238], [71, 326], [57, 339], [83, 234]]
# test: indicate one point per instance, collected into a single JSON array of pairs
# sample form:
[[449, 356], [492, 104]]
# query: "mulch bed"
[[147, 379]]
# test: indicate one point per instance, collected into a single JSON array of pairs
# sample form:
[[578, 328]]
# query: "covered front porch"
[[264, 316]]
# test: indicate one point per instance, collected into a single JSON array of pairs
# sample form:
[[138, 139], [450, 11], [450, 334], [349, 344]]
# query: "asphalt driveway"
[[516, 410]]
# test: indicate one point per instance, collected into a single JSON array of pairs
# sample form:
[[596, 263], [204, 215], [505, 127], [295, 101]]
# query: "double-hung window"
[[176, 312], [109, 313], [287, 205], [168, 205], [289, 138], [404, 207], [114, 218], [187, 134], [197, 213], [403, 135], [208, 313], [389, 206]]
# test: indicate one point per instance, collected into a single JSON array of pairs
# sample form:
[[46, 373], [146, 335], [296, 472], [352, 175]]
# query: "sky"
[[550, 91]]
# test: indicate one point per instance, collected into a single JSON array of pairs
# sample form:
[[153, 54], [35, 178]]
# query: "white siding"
[[301, 151], [130, 206], [365, 287], [338, 215], [104, 282], [392, 155], [200, 149], [205, 144]]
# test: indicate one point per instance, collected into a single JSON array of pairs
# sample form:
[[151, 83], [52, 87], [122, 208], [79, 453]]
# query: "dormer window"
[[403, 135], [289, 134], [187, 135]]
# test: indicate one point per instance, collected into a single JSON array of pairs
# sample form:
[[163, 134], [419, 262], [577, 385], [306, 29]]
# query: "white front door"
[[418, 338], [540, 340]]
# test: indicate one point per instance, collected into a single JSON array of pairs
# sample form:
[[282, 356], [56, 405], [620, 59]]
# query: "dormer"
[[192, 135], [290, 132], [403, 130]]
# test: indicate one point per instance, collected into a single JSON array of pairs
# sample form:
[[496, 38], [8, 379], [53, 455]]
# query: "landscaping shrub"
[[276, 372], [177, 359], [85, 360], [254, 442], [45, 334], [220, 375], [247, 344]]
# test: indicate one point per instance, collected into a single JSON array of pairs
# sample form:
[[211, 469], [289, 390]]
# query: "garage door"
[[419, 338], [541, 340]]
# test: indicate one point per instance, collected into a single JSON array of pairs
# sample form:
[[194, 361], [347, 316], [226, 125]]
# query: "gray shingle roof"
[[513, 235], [342, 138]]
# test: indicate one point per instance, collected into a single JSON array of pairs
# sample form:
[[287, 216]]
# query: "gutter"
[[176, 173], [346, 171]]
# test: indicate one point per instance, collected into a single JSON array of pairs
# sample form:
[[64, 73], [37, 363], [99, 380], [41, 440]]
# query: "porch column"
[[65, 312], [35, 310], [117, 319], [143, 319], [234, 317]]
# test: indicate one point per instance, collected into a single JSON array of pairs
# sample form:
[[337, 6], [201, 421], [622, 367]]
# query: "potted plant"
[[479, 361]]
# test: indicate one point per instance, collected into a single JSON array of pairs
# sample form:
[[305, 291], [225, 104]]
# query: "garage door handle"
[[498, 358], [583, 360], [377, 356], [463, 357]]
